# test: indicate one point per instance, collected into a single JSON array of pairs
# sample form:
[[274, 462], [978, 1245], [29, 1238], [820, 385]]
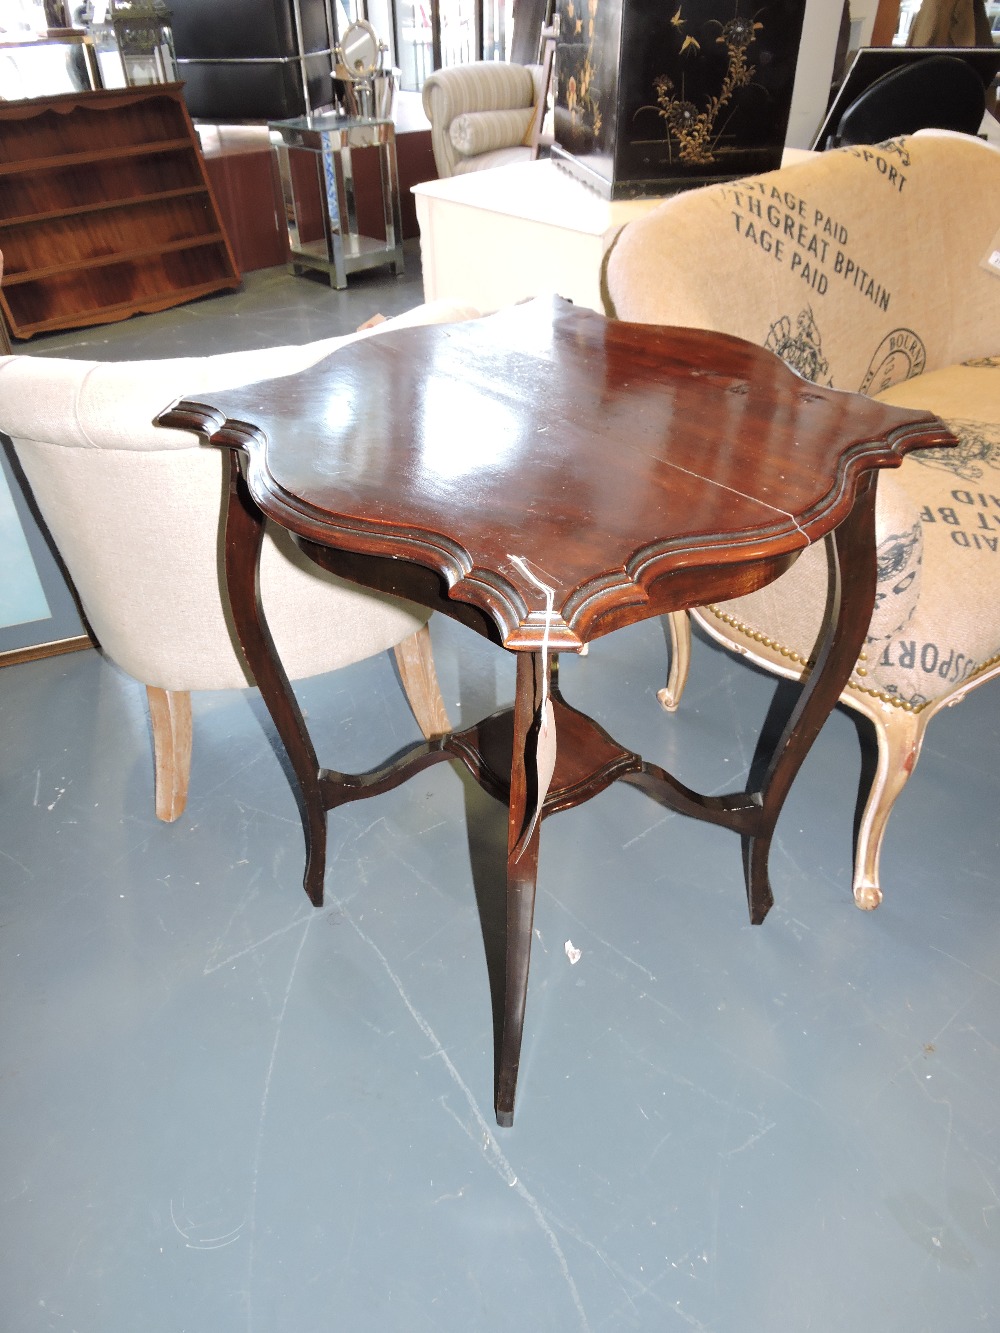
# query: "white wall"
[[817, 52]]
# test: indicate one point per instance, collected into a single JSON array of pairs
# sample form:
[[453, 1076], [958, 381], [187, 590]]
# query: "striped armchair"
[[482, 114]]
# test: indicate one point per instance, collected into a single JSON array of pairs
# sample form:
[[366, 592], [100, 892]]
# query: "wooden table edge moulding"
[[546, 476]]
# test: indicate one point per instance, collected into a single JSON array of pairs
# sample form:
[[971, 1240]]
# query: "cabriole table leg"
[[244, 535], [852, 602], [522, 871]]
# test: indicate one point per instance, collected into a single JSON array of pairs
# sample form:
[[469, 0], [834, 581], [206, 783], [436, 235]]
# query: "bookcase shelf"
[[106, 209]]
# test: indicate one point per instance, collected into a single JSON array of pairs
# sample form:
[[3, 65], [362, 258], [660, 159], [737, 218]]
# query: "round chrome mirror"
[[359, 47]]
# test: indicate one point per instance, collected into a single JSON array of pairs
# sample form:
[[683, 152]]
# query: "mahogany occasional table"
[[546, 476]]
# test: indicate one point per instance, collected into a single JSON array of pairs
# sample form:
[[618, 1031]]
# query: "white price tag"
[[991, 260]]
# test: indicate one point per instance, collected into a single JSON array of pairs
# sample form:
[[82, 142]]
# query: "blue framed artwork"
[[38, 612]]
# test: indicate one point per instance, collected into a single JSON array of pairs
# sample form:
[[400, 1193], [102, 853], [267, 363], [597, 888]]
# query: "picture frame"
[[39, 614]]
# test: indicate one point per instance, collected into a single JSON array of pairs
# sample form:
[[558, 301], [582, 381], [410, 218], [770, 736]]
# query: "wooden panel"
[[249, 197], [106, 209], [415, 159]]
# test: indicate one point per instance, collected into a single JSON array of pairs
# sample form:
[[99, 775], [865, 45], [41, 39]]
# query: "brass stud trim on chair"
[[765, 641]]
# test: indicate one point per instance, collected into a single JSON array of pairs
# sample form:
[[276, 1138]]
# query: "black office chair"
[[941, 92]]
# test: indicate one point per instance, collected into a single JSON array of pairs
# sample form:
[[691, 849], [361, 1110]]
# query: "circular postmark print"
[[900, 355]]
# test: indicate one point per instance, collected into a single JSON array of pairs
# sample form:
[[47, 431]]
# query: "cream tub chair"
[[876, 270], [136, 512]]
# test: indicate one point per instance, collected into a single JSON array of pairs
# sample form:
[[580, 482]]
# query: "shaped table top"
[[607, 457]]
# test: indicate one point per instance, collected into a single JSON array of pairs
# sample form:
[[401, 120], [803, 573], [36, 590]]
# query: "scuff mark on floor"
[[496, 1157]]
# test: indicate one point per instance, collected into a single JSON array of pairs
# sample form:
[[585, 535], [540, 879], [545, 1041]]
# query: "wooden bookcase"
[[106, 209]]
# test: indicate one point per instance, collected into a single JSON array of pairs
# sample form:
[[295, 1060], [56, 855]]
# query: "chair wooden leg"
[[170, 714], [415, 660], [679, 624], [900, 736]]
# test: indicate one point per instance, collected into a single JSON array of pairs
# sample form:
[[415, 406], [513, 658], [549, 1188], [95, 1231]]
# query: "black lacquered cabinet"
[[656, 95]]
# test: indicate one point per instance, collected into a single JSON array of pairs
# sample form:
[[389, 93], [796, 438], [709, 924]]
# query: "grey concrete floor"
[[223, 1110]]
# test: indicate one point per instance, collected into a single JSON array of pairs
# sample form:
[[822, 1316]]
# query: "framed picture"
[[39, 616]]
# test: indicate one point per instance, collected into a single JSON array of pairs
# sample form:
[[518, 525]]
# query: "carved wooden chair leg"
[[170, 715], [679, 624], [415, 661], [900, 735]]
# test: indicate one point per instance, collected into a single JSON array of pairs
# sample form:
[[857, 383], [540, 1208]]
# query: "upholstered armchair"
[[874, 269], [482, 114], [136, 513]]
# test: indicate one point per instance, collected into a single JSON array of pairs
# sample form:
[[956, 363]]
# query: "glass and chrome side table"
[[331, 139]]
